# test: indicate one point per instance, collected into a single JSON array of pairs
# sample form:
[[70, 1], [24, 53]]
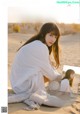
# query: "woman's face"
[[50, 39], [72, 76]]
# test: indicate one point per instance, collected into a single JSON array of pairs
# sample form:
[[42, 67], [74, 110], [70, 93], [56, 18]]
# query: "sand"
[[70, 55]]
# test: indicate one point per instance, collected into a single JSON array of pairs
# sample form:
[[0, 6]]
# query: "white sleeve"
[[65, 86], [47, 70]]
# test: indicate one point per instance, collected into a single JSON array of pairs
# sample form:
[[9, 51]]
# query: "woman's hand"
[[58, 79]]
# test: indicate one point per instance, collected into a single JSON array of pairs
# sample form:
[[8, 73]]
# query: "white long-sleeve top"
[[31, 61], [65, 86]]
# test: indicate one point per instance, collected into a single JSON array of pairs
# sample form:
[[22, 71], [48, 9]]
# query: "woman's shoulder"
[[36, 46], [65, 81], [39, 44]]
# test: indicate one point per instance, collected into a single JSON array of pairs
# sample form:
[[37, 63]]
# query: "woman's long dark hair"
[[67, 76], [48, 28]]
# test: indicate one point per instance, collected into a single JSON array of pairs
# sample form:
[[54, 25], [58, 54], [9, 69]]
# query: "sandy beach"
[[70, 55]]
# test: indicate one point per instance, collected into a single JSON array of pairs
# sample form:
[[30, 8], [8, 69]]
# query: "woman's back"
[[28, 61]]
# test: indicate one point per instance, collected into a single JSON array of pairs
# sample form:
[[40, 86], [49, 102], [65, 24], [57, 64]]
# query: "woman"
[[31, 64], [67, 81]]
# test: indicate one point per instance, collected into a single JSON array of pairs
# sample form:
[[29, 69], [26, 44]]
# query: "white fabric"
[[30, 61], [30, 65], [64, 86], [47, 99], [53, 85]]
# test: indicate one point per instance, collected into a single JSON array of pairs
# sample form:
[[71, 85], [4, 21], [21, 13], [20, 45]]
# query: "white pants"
[[36, 93]]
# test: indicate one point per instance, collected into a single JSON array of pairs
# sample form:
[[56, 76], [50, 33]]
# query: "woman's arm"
[[48, 71]]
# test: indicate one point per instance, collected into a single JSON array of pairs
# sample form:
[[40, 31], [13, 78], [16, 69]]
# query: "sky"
[[43, 10]]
